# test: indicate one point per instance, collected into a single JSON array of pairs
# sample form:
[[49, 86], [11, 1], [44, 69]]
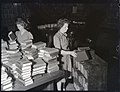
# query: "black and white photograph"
[[60, 46]]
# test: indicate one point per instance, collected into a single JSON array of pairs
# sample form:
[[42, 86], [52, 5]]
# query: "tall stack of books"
[[50, 55], [40, 45], [26, 44], [31, 53], [23, 68], [6, 80], [39, 67], [4, 53]]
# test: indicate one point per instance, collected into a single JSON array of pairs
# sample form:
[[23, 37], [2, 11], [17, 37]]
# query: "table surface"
[[40, 80]]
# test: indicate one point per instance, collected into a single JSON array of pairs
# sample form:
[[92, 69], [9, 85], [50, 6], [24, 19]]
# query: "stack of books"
[[13, 45], [4, 53], [48, 53], [52, 65], [13, 59], [40, 45], [6, 80], [3, 44], [31, 53], [23, 69], [26, 44], [39, 67]]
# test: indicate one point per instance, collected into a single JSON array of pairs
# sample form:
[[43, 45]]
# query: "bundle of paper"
[[40, 45], [39, 67]]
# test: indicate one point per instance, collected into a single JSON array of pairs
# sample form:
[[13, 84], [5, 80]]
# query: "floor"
[[70, 87]]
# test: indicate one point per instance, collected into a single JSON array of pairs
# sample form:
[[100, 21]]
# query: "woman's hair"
[[61, 22], [21, 22]]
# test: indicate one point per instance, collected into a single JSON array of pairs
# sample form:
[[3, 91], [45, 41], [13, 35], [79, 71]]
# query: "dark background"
[[101, 26]]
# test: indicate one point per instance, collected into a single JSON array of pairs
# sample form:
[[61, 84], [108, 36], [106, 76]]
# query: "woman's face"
[[65, 27], [20, 27]]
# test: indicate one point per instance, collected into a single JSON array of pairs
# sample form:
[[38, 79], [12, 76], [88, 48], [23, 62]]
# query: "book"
[[48, 50], [12, 36], [12, 51], [26, 83], [40, 44], [24, 62], [30, 50], [7, 86], [83, 48], [25, 68], [39, 68], [8, 80], [9, 89], [81, 56], [23, 72], [39, 62]]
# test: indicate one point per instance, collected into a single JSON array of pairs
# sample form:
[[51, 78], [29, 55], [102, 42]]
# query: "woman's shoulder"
[[57, 34]]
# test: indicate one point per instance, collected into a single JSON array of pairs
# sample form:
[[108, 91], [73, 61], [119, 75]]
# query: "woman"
[[22, 34], [61, 42]]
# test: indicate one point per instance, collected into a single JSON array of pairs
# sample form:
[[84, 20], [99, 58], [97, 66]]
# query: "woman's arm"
[[57, 44]]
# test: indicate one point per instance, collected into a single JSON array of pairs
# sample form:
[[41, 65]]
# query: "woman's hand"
[[73, 54]]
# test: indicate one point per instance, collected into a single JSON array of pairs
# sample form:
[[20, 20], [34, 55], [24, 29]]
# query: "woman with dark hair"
[[22, 34], [61, 43]]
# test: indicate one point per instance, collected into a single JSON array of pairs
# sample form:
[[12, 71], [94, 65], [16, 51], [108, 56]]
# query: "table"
[[46, 78]]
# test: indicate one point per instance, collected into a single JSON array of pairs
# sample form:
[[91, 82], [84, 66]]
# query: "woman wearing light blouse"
[[22, 34], [61, 43]]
